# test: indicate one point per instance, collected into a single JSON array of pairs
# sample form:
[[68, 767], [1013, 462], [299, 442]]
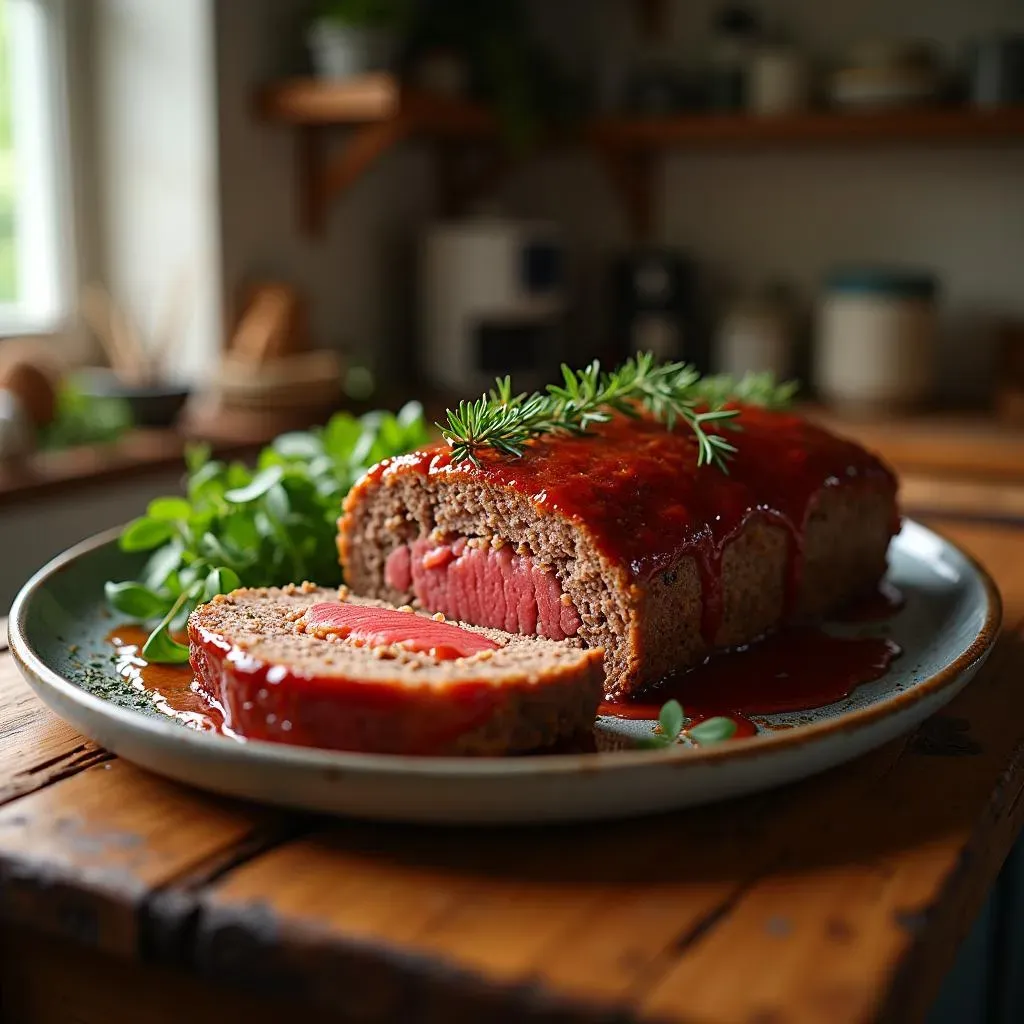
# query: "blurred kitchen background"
[[223, 220]]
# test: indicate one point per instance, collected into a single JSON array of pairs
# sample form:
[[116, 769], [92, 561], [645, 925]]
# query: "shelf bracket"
[[323, 175], [463, 175], [631, 174]]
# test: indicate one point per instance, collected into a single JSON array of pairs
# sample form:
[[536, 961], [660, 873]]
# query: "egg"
[[17, 437], [33, 378]]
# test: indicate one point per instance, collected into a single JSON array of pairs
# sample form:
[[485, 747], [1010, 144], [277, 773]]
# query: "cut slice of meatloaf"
[[299, 665], [620, 539]]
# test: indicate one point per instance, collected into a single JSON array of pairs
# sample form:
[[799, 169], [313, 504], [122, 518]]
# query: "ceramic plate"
[[946, 629]]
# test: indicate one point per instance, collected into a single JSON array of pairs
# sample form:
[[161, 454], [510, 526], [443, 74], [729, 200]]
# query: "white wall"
[[356, 275], [746, 216], [156, 153]]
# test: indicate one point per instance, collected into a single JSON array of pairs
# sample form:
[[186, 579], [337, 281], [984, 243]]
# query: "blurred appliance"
[[492, 302], [654, 304], [886, 73], [997, 71], [756, 335], [876, 339], [778, 80]]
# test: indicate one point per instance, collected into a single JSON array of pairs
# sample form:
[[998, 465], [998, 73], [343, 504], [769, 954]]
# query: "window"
[[35, 241]]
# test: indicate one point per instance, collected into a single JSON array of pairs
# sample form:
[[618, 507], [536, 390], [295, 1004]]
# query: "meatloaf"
[[295, 665], [621, 540]]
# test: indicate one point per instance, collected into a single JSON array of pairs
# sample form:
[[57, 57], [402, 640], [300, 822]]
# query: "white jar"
[[756, 336], [778, 82], [876, 339]]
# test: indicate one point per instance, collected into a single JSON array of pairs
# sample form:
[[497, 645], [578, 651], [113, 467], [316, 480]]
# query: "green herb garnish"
[[672, 726], [259, 527], [670, 392], [713, 730]]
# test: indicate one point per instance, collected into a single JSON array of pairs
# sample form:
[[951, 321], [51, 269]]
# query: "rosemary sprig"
[[670, 392]]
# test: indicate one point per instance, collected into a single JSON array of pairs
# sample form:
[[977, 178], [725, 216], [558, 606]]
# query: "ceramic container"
[[876, 338], [778, 81]]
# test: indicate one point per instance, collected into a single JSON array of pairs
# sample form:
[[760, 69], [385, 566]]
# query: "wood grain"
[[840, 898], [80, 857], [967, 447], [46, 981], [815, 896], [923, 126], [36, 747]]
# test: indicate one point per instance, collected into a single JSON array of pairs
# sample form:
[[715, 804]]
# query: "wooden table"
[[126, 898]]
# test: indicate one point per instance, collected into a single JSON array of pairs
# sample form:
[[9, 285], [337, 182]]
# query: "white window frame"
[[44, 224]]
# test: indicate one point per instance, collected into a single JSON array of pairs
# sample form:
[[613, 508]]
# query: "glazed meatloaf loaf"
[[621, 540], [300, 665]]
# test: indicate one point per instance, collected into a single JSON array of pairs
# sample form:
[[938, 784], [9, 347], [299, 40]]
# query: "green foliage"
[[712, 730], [671, 392], [376, 14], [85, 419], [509, 70], [261, 527], [672, 726]]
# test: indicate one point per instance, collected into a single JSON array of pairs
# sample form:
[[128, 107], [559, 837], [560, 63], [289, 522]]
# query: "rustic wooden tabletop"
[[126, 898]]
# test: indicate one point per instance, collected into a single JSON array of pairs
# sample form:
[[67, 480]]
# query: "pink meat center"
[[483, 585], [377, 627]]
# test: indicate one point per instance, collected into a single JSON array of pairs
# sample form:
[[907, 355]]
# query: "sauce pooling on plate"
[[796, 669], [171, 687]]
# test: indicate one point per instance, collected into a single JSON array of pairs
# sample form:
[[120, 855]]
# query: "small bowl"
[[154, 405]]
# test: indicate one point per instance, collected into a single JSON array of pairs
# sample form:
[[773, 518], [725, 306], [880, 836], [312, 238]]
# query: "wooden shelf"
[[921, 126], [381, 114], [373, 99]]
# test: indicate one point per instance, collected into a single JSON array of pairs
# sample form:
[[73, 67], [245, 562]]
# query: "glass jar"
[[876, 339]]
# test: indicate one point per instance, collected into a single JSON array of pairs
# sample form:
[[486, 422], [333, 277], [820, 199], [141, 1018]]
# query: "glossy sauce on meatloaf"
[[646, 503]]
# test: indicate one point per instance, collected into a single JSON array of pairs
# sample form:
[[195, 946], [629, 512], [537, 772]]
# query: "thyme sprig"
[[670, 392]]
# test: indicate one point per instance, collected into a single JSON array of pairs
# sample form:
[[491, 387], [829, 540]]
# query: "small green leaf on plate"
[[162, 649], [298, 445], [713, 730], [257, 487], [161, 564], [671, 718], [221, 580], [170, 509], [136, 601], [145, 533]]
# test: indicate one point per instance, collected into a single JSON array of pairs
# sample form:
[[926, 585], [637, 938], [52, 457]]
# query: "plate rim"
[[42, 677]]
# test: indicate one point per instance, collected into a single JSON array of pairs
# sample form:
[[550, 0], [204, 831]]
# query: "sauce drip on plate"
[[171, 687], [793, 670]]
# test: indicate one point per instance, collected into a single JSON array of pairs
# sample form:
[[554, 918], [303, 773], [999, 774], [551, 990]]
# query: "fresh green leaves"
[[712, 730], [670, 392], [135, 600], [81, 418], [266, 526], [146, 533], [672, 727], [670, 720]]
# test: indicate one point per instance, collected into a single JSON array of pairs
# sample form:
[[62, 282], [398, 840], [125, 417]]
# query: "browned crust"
[[528, 694], [646, 629]]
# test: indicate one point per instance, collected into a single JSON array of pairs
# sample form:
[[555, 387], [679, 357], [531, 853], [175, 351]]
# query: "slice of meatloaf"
[[621, 540], [283, 669]]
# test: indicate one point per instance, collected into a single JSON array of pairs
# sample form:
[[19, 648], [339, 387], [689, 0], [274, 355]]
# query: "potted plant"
[[350, 37]]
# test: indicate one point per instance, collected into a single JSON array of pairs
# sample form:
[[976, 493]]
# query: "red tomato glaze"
[[284, 704], [639, 492], [381, 627]]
